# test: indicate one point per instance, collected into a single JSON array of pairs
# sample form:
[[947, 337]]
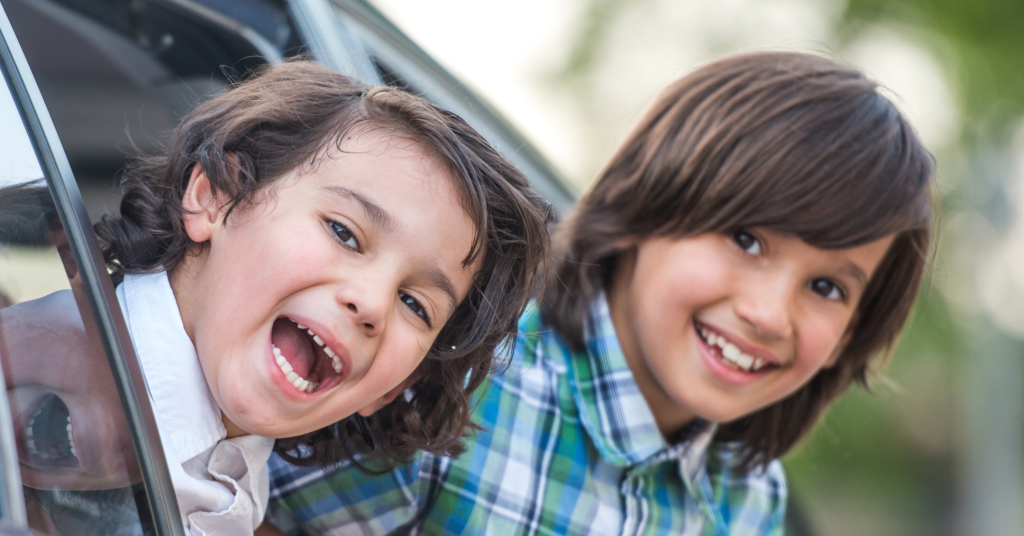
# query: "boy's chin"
[[718, 410], [726, 415], [279, 429]]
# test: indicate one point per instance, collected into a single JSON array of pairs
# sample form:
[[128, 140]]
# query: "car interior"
[[118, 75]]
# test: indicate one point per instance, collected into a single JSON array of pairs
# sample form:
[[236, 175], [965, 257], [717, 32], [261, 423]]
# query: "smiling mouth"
[[49, 436], [728, 354], [303, 357]]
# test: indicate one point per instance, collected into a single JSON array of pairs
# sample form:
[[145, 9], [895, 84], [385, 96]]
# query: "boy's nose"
[[767, 308], [367, 309], [355, 309]]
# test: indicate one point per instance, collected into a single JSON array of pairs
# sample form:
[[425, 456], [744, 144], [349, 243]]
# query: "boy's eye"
[[344, 235], [826, 289], [747, 242], [414, 305]]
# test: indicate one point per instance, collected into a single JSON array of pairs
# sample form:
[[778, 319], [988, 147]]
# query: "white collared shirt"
[[221, 484]]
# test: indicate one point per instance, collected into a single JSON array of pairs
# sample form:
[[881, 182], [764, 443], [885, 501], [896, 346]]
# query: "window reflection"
[[77, 461]]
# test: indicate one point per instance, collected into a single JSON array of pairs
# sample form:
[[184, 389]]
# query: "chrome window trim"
[[329, 41], [12, 496], [98, 285]]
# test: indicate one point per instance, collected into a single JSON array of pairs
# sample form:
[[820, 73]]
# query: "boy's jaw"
[[306, 360], [729, 357]]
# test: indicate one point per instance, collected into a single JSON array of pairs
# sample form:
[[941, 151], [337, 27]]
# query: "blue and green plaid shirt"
[[569, 446]]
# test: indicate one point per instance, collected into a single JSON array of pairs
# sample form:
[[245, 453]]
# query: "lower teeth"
[[297, 381]]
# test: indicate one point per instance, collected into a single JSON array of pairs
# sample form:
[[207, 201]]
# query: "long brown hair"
[[788, 141], [283, 118]]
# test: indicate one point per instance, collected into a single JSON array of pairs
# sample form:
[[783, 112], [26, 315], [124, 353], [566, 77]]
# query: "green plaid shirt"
[[569, 446]]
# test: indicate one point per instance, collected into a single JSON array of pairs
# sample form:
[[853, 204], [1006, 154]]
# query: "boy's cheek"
[[818, 342], [315, 258], [667, 270], [397, 358]]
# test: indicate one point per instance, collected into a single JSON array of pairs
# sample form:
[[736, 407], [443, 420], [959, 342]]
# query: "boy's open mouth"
[[48, 435], [728, 354], [306, 361]]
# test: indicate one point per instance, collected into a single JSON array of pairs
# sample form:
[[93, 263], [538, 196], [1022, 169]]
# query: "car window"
[[75, 455], [117, 76]]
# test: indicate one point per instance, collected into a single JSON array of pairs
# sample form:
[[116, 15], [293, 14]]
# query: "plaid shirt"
[[569, 446]]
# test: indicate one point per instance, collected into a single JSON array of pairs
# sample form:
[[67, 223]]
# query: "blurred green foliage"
[[980, 40], [883, 462]]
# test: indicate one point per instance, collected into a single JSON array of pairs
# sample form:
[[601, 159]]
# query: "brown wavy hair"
[[284, 117], [787, 141]]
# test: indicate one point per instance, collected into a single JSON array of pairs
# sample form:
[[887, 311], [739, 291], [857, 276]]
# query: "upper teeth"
[[730, 353], [335, 360]]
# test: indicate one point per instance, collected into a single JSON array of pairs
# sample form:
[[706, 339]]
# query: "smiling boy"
[[310, 249], [753, 320], [752, 247], [333, 250]]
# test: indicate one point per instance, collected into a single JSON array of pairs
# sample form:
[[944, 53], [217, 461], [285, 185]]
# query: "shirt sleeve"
[[346, 500]]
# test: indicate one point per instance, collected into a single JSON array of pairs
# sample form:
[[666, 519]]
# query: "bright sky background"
[[509, 51], [502, 51]]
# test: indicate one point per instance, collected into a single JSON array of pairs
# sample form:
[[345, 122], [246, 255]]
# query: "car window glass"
[[75, 454], [118, 76]]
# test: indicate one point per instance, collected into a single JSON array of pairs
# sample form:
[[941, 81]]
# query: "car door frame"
[[128, 377]]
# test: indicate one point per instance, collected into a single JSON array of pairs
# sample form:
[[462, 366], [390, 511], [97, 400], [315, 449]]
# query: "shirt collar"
[[183, 405], [614, 411]]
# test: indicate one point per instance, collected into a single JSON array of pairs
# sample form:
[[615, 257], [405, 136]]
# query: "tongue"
[[294, 345]]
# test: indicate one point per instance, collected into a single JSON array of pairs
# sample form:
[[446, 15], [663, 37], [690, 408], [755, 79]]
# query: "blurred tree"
[[982, 40]]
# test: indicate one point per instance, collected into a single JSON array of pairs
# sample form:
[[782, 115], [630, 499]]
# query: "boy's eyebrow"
[[855, 272], [442, 282], [377, 215]]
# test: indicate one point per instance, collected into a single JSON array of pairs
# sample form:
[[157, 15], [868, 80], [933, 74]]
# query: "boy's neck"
[[233, 429], [668, 415], [181, 285]]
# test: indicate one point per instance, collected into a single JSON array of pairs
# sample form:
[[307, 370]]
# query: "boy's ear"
[[202, 206], [391, 395]]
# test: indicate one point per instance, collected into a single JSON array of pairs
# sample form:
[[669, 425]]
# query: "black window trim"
[[265, 48], [99, 288]]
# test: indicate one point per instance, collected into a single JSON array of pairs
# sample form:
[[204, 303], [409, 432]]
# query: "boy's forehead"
[[375, 138], [377, 141], [383, 150]]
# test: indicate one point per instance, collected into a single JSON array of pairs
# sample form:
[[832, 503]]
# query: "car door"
[[79, 452]]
